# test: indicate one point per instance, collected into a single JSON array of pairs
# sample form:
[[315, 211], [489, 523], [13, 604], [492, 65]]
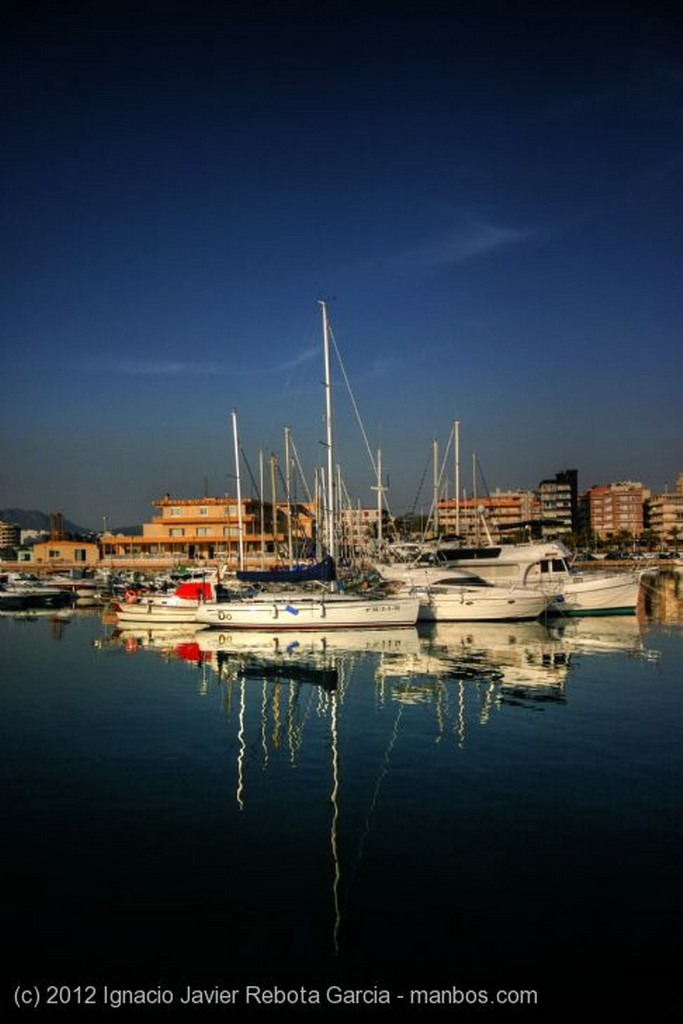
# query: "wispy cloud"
[[298, 360], [470, 241], [169, 368], [378, 370], [178, 368]]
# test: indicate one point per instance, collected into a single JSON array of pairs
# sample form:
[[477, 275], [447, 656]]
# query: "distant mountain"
[[127, 531], [32, 519]]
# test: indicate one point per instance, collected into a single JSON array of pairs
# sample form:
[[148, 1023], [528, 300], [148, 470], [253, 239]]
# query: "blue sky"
[[489, 196]]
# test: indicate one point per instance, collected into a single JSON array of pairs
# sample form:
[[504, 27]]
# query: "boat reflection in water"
[[343, 717], [607, 634], [502, 661]]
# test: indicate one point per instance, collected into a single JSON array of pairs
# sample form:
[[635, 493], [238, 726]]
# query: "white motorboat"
[[594, 593], [84, 589], [452, 601], [535, 564], [180, 606], [19, 590]]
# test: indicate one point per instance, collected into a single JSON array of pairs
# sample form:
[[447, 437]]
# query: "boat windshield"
[[554, 565], [463, 581]]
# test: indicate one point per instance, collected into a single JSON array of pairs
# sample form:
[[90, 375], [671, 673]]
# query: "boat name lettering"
[[224, 616]]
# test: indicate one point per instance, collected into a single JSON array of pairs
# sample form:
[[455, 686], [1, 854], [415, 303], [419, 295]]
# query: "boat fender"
[[130, 596]]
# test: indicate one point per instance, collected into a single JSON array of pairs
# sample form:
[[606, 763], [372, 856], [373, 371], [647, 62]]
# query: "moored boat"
[[180, 606], [537, 565], [451, 601], [305, 611], [24, 590]]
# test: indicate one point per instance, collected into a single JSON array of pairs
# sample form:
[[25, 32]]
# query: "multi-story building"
[[360, 528], [10, 536], [666, 516], [559, 504], [501, 514], [213, 529], [616, 509]]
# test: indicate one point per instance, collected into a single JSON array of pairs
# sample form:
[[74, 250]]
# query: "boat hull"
[[616, 594], [494, 604], [154, 613], [310, 613]]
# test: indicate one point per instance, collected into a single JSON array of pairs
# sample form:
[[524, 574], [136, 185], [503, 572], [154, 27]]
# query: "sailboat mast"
[[435, 473], [456, 433], [239, 489], [288, 483], [328, 418], [262, 510], [379, 496]]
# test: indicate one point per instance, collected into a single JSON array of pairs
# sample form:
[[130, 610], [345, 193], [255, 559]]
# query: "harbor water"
[[469, 818]]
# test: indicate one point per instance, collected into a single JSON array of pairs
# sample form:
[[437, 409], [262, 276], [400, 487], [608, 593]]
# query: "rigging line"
[[357, 412], [481, 474], [251, 475], [430, 516], [419, 490], [383, 772], [301, 472]]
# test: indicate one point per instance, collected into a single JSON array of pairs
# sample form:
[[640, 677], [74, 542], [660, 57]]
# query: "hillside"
[[32, 519]]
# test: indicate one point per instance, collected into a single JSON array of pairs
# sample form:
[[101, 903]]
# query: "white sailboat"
[[298, 609]]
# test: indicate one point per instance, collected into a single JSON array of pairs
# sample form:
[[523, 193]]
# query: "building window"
[[202, 531], [203, 510], [176, 531], [175, 511]]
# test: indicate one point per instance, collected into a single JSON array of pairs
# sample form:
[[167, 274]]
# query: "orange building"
[[211, 529], [616, 509], [65, 552]]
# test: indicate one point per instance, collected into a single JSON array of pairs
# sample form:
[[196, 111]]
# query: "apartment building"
[[616, 509], [559, 504], [360, 527], [10, 535], [666, 516], [503, 512]]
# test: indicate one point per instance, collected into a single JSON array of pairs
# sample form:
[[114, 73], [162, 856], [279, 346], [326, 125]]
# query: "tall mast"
[[262, 510], [435, 449], [456, 432], [380, 491], [477, 528], [288, 482], [274, 515], [239, 489], [328, 419]]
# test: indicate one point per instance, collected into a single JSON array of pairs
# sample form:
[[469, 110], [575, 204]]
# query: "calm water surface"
[[465, 807]]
